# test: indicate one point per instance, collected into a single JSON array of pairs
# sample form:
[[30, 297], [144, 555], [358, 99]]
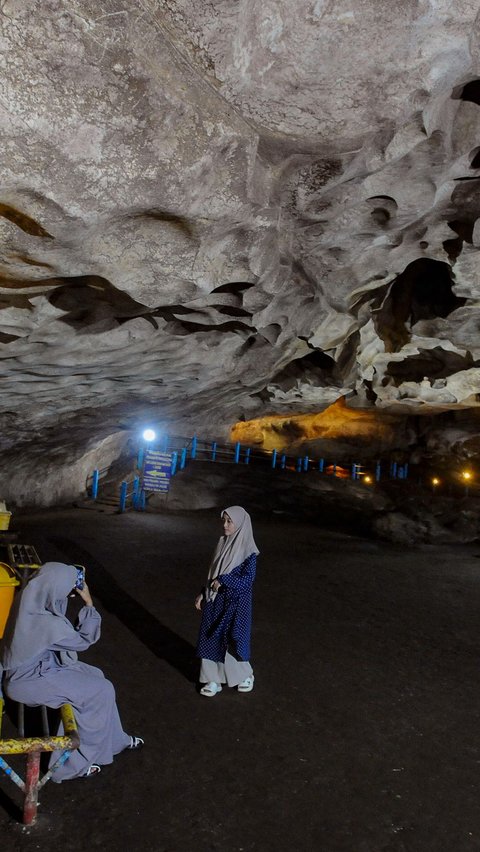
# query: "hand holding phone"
[[85, 595]]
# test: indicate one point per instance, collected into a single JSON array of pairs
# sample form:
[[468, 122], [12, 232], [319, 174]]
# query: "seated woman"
[[39, 655]]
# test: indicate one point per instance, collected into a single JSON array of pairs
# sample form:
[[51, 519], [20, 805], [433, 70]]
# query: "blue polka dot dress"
[[227, 619]]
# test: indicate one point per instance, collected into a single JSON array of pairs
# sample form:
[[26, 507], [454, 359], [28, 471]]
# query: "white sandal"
[[246, 685], [94, 769], [211, 689], [136, 742]]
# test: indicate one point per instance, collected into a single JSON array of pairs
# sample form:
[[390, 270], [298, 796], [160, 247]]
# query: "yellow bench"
[[33, 748]]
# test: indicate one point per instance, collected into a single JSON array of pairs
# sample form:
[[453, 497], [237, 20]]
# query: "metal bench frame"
[[33, 748]]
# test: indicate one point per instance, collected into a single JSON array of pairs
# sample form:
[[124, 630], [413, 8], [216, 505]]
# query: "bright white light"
[[149, 435]]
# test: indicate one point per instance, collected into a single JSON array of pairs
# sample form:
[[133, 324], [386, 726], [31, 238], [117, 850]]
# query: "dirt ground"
[[362, 733]]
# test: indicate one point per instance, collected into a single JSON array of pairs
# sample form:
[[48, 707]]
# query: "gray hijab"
[[232, 550], [37, 620]]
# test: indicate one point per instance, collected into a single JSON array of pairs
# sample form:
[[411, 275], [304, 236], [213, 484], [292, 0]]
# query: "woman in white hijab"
[[39, 655], [226, 605]]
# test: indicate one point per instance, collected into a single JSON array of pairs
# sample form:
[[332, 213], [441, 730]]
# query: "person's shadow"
[[162, 641]]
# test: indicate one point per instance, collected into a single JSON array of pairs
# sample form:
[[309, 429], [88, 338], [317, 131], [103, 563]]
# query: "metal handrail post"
[[274, 458], [95, 478], [214, 450], [136, 487], [123, 496], [193, 451], [237, 452], [247, 455], [173, 468], [183, 459]]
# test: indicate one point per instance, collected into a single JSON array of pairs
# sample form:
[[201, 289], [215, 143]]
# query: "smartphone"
[[80, 582]]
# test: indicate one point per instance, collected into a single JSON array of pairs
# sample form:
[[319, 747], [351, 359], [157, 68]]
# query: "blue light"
[[149, 435]]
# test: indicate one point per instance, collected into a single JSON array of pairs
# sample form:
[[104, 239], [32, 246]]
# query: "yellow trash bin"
[[8, 582], [5, 520]]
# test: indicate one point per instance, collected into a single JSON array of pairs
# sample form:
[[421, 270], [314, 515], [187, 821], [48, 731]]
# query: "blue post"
[[247, 455], [174, 462], [123, 496], [405, 470], [237, 452], [378, 471], [283, 461], [194, 447], [321, 465], [214, 450], [95, 478], [394, 470], [305, 463], [354, 471], [140, 456], [400, 472], [183, 458], [136, 484], [299, 464], [274, 458]]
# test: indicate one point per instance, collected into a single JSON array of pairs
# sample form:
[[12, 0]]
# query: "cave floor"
[[362, 733]]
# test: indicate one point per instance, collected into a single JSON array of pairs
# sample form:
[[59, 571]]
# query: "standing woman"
[[39, 655], [226, 605]]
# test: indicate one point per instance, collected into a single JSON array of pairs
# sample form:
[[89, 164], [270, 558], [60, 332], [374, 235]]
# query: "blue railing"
[[92, 481], [134, 494], [183, 449]]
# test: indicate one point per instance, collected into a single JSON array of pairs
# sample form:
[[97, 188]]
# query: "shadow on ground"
[[163, 642]]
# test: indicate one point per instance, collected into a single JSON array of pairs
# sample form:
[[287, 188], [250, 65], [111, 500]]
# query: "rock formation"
[[214, 210]]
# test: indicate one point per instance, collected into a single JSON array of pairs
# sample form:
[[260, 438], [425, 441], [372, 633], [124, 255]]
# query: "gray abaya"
[[54, 676]]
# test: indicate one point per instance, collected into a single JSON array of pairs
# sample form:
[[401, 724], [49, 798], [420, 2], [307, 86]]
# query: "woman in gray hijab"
[[226, 605], [39, 656]]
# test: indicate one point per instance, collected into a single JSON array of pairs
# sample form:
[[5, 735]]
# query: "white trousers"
[[232, 671]]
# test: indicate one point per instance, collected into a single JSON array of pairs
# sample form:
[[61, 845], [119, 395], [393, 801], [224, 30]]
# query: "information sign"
[[157, 471]]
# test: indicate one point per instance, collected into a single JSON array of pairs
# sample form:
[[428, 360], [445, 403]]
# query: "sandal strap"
[[94, 769]]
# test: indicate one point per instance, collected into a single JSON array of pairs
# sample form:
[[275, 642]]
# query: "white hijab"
[[37, 620], [233, 549]]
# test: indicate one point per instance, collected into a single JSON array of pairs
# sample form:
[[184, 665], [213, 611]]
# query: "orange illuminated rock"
[[336, 422]]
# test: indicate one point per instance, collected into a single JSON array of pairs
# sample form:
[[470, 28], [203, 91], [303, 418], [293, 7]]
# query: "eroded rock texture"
[[217, 209]]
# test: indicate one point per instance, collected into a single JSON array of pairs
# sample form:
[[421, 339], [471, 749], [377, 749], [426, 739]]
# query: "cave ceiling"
[[213, 210]]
